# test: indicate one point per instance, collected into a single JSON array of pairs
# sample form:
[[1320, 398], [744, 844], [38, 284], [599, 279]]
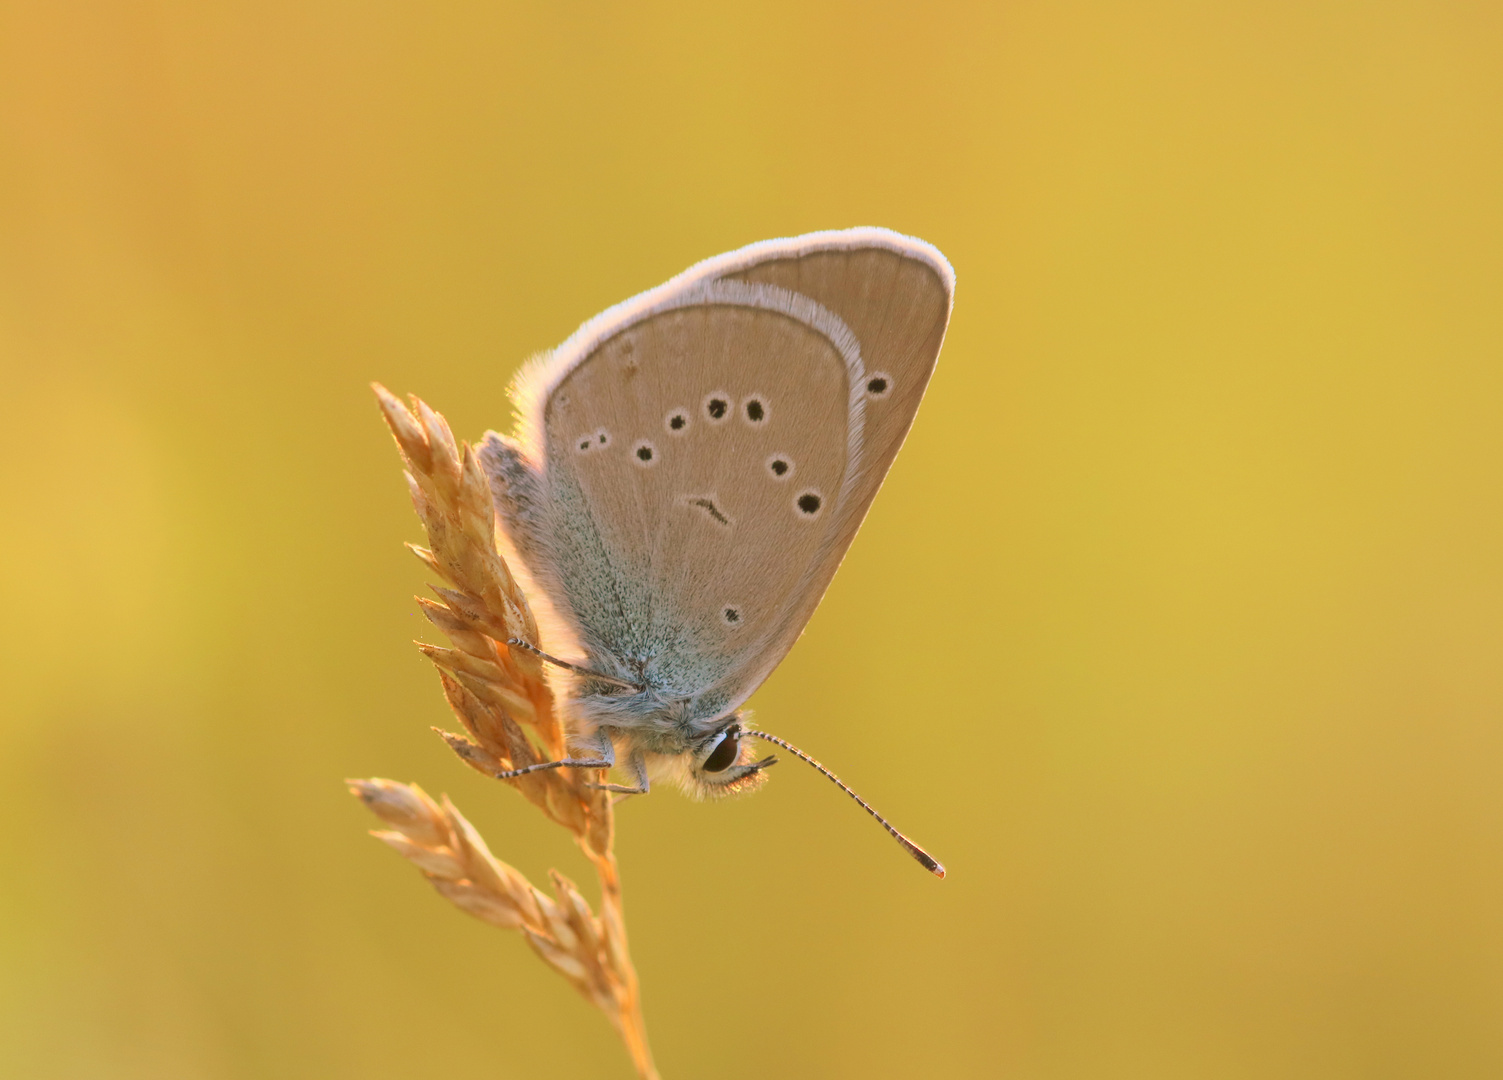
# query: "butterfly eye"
[[724, 754]]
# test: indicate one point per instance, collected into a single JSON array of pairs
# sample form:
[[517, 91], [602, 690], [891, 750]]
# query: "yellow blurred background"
[[1175, 633]]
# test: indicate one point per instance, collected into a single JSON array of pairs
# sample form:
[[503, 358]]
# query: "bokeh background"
[[1175, 632]]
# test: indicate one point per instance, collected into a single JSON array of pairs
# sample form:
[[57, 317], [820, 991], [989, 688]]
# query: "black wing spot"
[[756, 411], [731, 616], [677, 422], [779, 466], [644, 453], [709, 507], [586, 443], [878, 385], [809, 503], [717, 406]]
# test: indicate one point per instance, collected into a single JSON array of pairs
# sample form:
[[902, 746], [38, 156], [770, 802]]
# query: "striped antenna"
[[927, 861]]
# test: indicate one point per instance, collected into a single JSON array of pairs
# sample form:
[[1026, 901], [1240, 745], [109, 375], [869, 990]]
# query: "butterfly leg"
[[527, 646], [603, 747], [639, 771]]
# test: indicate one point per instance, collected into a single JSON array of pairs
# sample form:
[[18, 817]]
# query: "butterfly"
[[687, 472]]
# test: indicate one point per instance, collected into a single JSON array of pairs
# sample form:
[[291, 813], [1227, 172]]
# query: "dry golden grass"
[[511, 718]]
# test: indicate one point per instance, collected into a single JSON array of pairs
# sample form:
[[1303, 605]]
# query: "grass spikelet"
[[511, 719]]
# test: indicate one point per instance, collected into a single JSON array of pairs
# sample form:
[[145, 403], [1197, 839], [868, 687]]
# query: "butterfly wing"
[[693, 463], [895, 294]]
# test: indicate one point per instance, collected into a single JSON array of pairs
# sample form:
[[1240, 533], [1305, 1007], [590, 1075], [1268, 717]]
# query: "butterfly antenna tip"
[[924, 859]]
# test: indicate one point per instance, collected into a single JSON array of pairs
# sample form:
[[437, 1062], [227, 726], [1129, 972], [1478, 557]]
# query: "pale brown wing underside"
[[897, 305], [705, 448], [689, 545]]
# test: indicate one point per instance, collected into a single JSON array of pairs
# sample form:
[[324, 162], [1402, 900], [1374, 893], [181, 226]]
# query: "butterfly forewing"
[[895, 295], [896, 300], [694, 462], [696, 457]]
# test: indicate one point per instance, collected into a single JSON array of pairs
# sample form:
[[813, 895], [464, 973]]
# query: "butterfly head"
[[724, 763]]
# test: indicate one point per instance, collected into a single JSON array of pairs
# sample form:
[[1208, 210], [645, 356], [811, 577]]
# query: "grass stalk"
[[511, 719]]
